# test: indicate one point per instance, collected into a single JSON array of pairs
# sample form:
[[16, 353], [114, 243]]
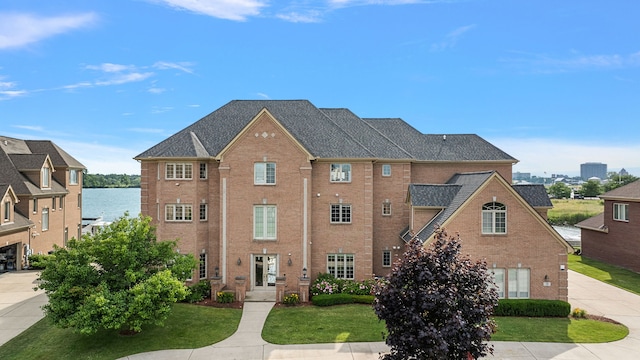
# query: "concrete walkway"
[[20, 308]]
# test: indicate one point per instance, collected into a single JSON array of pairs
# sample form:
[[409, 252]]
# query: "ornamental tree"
[[437, 304], [119, 278], [559, 190]]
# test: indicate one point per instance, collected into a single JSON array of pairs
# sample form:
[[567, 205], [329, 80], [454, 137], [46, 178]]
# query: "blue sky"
[[553, 83]]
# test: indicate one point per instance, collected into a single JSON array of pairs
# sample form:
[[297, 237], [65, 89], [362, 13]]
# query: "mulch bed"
[[209, 302]]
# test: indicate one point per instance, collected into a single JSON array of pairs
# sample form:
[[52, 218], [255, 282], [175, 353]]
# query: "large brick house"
[[274, 189], [41, 189], [613, 236]]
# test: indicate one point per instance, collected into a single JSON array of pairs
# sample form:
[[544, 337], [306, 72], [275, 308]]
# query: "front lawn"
[[188, 326], [355, 323], [610, 274]]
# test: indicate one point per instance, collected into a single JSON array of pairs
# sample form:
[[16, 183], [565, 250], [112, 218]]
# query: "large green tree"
[[591, 188], [437, 304], [559, 190], [616, 180], [119, 278]]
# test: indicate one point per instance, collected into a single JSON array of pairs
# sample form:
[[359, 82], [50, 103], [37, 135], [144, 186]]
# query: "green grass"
[[610, 274], [353, 323], [188, 326], [317, 325], [561, 330], [573, 211]]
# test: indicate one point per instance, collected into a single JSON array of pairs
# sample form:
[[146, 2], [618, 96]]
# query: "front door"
[[265, 271]]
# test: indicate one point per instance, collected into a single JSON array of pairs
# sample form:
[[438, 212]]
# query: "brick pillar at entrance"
[[216, 286], [281, 282], [303, 286], [241, 290]]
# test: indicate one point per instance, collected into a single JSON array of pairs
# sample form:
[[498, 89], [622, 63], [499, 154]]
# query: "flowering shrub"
[[358, 288], [579, 313], [291, 299], [225, 297], [327, 284]]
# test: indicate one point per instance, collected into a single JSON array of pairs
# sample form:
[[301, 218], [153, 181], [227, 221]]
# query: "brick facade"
[[303, 195], [614, 241]]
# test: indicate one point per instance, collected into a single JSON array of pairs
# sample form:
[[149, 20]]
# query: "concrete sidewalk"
[[19, 304], [20, 308]]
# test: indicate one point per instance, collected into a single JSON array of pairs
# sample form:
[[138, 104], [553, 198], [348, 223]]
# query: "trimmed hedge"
[[532, 308], [337, 299]]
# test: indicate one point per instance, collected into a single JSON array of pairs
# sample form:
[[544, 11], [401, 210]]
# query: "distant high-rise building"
[[593, 169], [521, 176]]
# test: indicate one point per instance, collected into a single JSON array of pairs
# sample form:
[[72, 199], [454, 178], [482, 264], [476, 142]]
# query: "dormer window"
[[46, 176], [7, 212]]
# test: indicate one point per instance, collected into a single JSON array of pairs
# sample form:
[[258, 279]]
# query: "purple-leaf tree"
[[436, 303]]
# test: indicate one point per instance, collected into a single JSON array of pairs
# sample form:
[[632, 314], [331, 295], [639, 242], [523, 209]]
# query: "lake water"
[[110, 203]]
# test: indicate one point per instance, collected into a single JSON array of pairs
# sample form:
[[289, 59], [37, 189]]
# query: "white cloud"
[[29, 127], [561, 156], [10, 94], [549, 64], [238, 10], [111, 68], [21, 29], [124, 78], [451, 39], [263, 95], [310, 16], [182, 66], [147, 130]]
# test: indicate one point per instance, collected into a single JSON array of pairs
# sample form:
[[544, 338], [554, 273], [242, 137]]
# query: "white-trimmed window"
[[386, 170], [519, 283], [202, 270], [178, 171], [264, 222], [621, 212], [7, 211], [498, 278], [46, 173], [340, 172], [386, 208], [494, 218], [203, 171], [341, 265], [178, 212], [386, 258], [45, 219], [35, 205], [73, 177], [264, 173], [203, 212], [53, 203], [340, 213]]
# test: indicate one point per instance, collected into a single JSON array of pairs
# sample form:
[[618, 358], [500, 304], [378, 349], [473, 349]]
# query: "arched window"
[[494, 218]]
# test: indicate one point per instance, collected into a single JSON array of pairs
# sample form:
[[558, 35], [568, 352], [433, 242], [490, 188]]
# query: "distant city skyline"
[[105, 80]]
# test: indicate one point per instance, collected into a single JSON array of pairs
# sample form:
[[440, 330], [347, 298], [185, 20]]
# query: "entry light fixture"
[[239, 262], [217, 270], [304, 272], [289, 262]]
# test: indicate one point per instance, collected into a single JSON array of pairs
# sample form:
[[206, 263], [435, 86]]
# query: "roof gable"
[[264, 113], [535, 194], [629, 192]]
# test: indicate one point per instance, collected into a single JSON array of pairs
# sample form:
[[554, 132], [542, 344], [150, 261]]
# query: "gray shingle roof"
[[466, 183], [28, 162], [436, 195], [630, 191], [16, 155], [325, 133], [535, 194], [59, 157]]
